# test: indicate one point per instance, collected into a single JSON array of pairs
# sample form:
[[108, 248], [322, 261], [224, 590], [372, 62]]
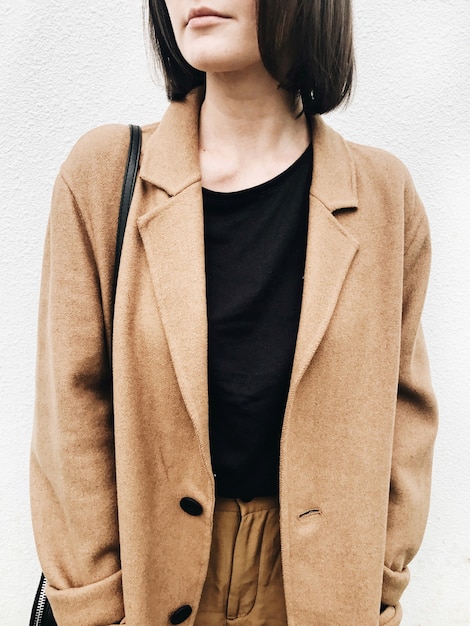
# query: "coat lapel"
[[172, 231], [330, 248], [330, 251]]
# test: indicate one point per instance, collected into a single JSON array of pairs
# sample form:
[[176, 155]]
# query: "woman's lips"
[[204, 16]]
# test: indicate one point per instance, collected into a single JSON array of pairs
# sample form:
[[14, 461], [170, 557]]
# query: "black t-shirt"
[[255, 245]]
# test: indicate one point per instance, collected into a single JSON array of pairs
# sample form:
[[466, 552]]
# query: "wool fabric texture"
[[111, 462]]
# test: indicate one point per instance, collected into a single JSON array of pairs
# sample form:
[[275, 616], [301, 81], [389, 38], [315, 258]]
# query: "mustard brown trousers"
[[244, 581]]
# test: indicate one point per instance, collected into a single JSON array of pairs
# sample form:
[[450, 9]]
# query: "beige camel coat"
[[360, 420]]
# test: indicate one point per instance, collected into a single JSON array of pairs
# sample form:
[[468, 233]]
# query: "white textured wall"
[[68, 66]]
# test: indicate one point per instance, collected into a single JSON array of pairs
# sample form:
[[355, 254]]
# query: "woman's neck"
[[250, 130]]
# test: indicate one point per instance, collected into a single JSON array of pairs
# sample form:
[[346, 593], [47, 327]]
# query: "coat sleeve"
[[73, 489], [416, 414]]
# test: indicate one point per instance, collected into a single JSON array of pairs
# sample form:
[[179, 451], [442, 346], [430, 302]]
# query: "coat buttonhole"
[[310, 512]]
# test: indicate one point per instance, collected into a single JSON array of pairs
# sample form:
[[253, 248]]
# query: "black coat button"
[[181, 614], [191, 506]]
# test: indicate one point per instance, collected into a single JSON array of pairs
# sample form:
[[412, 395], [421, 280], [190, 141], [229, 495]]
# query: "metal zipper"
[[41, 604]]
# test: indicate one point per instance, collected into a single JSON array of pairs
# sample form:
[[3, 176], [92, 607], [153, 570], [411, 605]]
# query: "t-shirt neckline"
[[272, 182]]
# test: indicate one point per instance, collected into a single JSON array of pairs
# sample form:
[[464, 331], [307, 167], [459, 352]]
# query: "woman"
[[271, 400]]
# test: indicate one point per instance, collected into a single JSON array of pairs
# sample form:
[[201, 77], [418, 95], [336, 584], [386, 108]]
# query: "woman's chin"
[[214, 56]]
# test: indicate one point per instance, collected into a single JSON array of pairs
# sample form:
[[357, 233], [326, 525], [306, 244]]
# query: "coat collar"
[[172, 231], [171, 159]]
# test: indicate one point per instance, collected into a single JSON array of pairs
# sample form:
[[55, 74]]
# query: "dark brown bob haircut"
[[306, 45]]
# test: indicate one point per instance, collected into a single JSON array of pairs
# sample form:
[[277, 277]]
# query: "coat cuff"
[[98, 604], [394, 584]]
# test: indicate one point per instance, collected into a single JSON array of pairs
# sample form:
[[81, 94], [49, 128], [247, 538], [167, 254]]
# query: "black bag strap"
[[128, 186], [41, 613]]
